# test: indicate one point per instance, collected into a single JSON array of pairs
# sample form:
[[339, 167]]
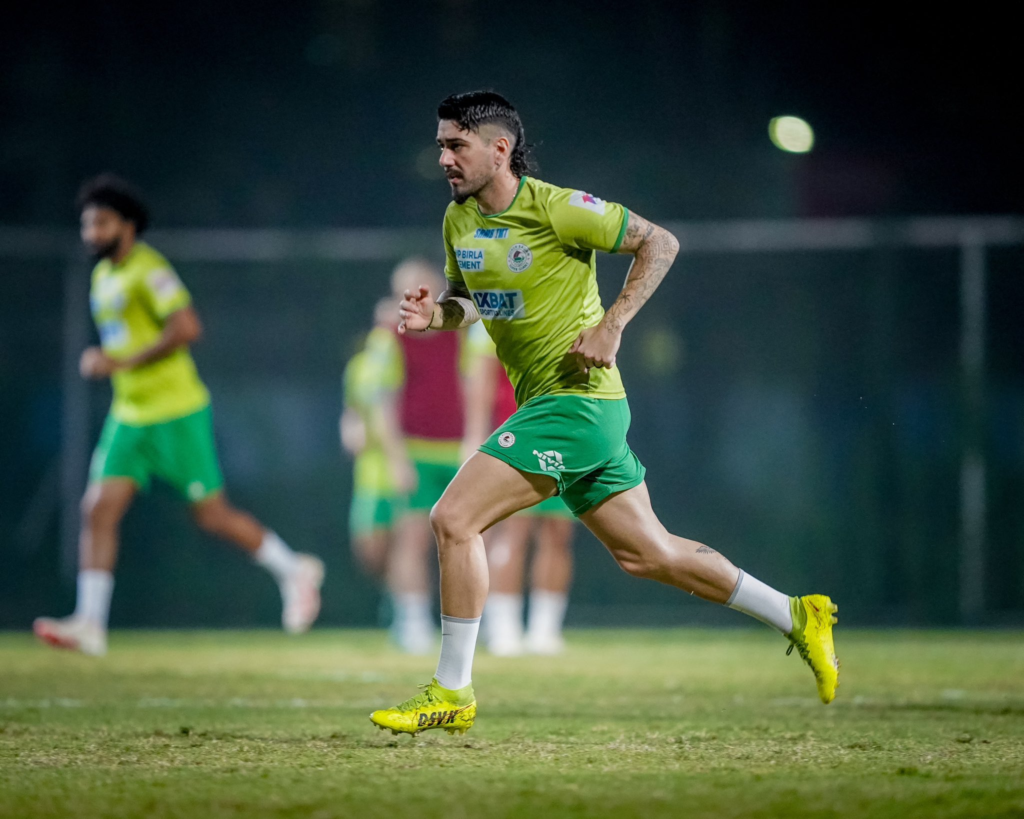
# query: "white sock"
[[753, 597], [276, 557], [95, 586], [547, 612], [503, 616], [412, 609], [458, 642]]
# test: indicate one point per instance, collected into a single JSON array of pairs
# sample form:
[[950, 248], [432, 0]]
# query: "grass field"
[[626, 724]]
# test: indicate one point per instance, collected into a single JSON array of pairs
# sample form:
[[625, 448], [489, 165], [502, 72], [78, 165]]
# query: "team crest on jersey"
[[469, 258], [519, 258], [506, 439], [491, 233], [587, 201]]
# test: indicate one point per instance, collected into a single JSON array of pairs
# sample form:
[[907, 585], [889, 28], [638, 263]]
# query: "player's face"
[[468, 160], [103, 230]]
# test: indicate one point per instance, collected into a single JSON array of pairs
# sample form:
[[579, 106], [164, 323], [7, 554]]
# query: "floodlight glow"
[[791, 134]]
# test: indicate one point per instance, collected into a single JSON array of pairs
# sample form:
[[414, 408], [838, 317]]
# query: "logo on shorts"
[[550, 461], [196, 490], [506, 439], [519, 258]]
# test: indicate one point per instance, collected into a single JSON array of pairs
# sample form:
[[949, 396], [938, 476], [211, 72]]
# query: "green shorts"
[[371, 511], [553, 507], [180, 452], [578, 441], [431, 481]]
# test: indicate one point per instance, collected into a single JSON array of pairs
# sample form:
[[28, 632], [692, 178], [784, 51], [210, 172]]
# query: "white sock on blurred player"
[[503, 616], [95, 587], [458, 644], [413, 627], [753, 597], [276, 557], [547, 613]]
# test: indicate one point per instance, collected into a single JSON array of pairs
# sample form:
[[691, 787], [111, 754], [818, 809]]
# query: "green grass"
[[626, 724]]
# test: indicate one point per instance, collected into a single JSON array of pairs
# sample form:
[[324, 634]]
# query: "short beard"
[[100, 252], [462, 198]]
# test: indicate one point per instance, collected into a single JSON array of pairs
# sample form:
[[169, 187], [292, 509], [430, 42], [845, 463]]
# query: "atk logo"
[[519, 258], [165, 283], [550, 461], [435, 718], [506, 439], [491, 233], [500, 305], [469, 258], [587, 201]]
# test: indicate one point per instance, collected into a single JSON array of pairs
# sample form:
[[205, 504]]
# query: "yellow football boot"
[[434, 707], [813, 617]]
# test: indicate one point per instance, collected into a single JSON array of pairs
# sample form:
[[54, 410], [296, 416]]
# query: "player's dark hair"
[[110, 191], [475, 108]]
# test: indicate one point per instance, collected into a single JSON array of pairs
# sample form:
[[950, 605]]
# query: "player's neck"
[[499, 194], [124, 248]]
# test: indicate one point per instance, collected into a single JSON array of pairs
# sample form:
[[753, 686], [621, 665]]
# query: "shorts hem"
[[606, 492]]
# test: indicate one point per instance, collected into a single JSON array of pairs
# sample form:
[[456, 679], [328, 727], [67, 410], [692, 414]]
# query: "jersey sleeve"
[[451, 265], [582, 221], [386, 359], [162, 291]]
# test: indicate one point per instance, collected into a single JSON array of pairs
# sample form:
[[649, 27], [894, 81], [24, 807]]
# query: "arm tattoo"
[[452, 313], [705, 550], [654, 249]]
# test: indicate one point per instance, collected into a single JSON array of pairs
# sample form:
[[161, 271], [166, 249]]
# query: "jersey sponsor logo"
[[506, 439], [500, 305], [550, 461], [469, 258], [491, 233], [587, 201], [165, 283], [519, 258]]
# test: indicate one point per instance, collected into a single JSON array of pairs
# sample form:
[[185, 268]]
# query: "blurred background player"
[[159, 424], [490, 401], [381, 473], [426, 436]]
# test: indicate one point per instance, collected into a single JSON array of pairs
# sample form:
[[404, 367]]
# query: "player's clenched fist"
[[416, 310], [596, 347]]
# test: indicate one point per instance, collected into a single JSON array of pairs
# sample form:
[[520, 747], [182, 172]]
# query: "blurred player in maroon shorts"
[[490, 401]]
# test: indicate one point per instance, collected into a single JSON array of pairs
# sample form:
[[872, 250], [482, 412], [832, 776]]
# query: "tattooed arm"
[[654, 249], [453, 309]]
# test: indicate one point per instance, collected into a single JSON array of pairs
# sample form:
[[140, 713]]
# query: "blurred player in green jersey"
[[159, 424], [381, 476], [521, 257], [490, 401]]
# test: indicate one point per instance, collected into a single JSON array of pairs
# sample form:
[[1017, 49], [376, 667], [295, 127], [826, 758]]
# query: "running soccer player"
[[425, 370], [381, 475], [159, 423], [490, 401], [521, 256]]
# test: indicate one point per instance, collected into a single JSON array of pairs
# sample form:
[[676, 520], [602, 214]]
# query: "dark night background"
[[806, 411]]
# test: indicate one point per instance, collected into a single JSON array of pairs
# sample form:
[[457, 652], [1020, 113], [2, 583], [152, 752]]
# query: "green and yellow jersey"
[[130, 303], [531, 271], [366, 379]]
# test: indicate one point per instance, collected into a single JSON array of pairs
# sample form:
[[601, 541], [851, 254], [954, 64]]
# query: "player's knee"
[[209, 517], [652, 561], [446, 524], [99, 511]]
